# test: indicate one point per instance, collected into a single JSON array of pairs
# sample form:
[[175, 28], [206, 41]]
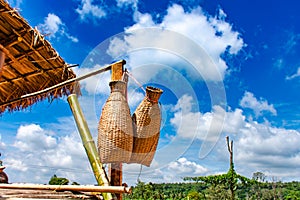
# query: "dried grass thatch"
[[30, 64]]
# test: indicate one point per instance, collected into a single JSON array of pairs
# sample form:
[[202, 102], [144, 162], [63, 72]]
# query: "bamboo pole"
[[82, 188], [93, 73], [88, 143], [97, 71]]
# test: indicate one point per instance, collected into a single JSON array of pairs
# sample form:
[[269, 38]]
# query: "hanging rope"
[[140, 173], [136, 81]]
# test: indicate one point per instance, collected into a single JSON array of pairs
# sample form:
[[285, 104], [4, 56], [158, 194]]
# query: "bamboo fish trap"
[[146, 122], [115, 131]]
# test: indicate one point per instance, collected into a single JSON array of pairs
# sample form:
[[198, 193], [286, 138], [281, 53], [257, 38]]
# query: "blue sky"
[[226, 68]]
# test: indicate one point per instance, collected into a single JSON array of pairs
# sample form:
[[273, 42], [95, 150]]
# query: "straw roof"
[[31, 64]]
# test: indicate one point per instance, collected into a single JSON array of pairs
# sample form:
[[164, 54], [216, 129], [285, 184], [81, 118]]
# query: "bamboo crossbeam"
[[79, 188], [98, 71]]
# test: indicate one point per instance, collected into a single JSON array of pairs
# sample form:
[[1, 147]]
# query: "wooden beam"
[[82, 188], [117, 71], [2, 58], [116, 175], [9, 55], [115, 169]]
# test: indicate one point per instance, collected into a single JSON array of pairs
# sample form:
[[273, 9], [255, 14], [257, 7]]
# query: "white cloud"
[[33, 138], [172, 172], [183, 35], [258, 106], [15, 3], [185, 167], [16, 164], [184, 104], [205, 126], [54, 26], [97, 84], [271, 149], [297, 74], [133, 3], [88, 10], [134, 98], [291, 42], [2, 144], [260, 147], [38, 154], [279, 63], [257, 147], [53, 22]]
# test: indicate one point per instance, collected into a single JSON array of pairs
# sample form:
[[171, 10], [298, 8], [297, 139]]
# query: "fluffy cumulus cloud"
[[173, 172], [185, 167], [274, 151], [95, 84], [88, 10], [259, 146], [258, 106], [39, 154], [183, 35], [52, 23], [134, 98], [205, 126], [54, 26], [33, 138]]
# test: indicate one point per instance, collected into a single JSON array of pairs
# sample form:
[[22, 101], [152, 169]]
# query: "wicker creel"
[[115, 131], [146, 122]]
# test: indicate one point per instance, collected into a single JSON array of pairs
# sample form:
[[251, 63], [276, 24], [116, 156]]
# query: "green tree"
[[58, 180], [194, 195], [259, 176], [223, 182]]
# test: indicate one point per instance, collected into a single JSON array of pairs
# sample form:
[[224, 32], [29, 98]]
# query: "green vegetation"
[[229, 186], [200, 190], [58, 180], [54, 180]]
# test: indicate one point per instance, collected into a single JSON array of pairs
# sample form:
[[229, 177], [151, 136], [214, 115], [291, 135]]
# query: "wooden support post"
[[117, 70], [115, 169]]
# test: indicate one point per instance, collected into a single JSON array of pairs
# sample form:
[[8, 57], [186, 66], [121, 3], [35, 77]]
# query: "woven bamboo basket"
[[146, 122], [115, 131]]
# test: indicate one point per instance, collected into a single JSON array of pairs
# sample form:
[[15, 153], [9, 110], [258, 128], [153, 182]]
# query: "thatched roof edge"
[[31, 64]]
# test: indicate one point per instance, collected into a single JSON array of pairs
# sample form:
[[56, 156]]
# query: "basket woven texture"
[[115, 131], [146, 122]]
